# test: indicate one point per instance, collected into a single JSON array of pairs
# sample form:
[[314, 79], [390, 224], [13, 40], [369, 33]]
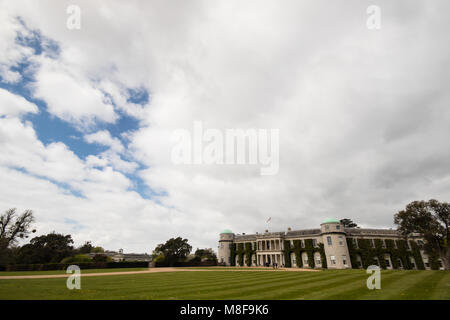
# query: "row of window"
[[327, 227], [383, 243], [305, 261], [302, 243], [340, 240], [344, 260]]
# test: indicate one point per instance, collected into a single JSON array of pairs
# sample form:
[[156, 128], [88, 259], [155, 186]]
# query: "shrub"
[[79, 258]]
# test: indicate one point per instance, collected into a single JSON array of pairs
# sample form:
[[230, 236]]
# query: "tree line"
[[50, 248]]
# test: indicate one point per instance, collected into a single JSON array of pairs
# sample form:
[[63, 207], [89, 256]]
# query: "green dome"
[[226, 231], [331, 220]]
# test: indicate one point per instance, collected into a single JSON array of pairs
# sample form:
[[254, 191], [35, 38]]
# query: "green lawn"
[[30, 273], [338, 284]]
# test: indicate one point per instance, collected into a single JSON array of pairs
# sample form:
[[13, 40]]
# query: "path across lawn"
[[151, 270]]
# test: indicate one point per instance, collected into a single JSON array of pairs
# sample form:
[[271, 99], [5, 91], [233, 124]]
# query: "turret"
[[225, 242], [335, 244]]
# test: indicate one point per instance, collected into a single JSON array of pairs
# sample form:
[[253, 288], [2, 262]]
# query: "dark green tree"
[[205, 254], [430, 219], [50, 248], [174, 250], [85, 248], [348, 223]]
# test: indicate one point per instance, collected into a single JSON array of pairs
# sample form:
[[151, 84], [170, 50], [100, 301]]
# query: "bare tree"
[[14, 227]]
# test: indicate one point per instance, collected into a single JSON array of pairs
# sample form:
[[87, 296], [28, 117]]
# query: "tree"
[[13, 227], [85, 248], [79, 258], [348, 223], [51, 248], [205, 255], [174, 250], [101, 258], [430, 219], [97, 250]]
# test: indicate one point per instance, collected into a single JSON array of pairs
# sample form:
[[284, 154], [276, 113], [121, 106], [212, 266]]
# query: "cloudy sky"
[[87, 115]]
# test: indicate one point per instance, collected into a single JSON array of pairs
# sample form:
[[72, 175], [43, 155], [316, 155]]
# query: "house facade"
[[331, 246]]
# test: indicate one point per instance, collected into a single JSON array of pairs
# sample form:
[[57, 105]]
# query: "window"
[[314, 242], [372, 243], [302, 243], [292, 243], [305, 262], [387, 262], [318, 261], [338, 227], [344, 260], [341, 241], [329, 241], [333, 260], [327, 227], [221, 245]]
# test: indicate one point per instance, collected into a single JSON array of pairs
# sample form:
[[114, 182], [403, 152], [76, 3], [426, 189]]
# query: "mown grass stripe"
[[417, 288], [358, 289], [227, 286], [302, 290], [262, 291]]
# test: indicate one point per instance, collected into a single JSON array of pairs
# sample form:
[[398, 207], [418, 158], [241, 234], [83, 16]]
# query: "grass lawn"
[[30, 273], [218, 284]]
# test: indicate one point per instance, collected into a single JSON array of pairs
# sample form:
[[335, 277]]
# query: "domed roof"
[[331, 220], [226, 231]]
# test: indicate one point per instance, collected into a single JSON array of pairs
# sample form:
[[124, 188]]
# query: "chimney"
[[267, 230], [289, 229], [243, 233]]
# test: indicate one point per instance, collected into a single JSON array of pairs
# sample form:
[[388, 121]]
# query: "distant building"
[[331, 246], [120, 256]]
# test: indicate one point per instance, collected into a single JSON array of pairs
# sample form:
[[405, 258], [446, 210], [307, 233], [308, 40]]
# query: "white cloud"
[[363, 115], [104, 138], [14, 105], [71, 96]]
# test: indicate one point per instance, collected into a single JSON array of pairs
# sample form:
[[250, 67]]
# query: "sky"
[[87, 115]]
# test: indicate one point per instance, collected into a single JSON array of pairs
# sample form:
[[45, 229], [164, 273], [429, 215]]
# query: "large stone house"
[[331, 246]]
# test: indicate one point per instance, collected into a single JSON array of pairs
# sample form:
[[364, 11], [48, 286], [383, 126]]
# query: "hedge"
[[162, 264]]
